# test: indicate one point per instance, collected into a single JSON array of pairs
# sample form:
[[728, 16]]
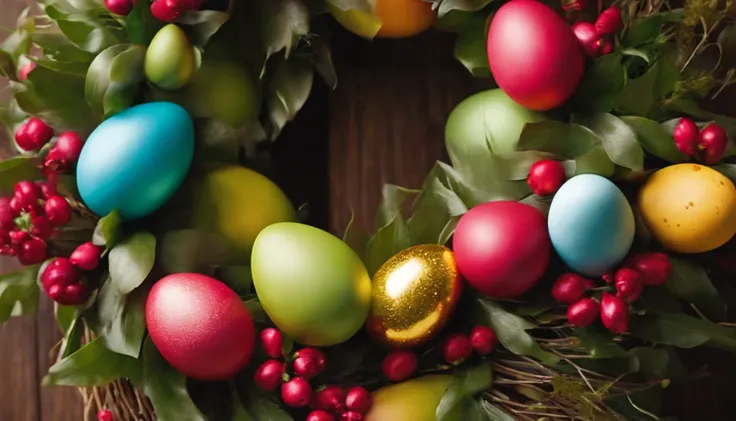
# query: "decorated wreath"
[[579, 236]]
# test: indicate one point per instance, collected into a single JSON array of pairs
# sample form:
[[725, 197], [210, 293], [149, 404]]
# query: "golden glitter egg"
[[414, 295]]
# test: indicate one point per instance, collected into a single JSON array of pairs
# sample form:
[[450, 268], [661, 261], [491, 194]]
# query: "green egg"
[[310, 283], [170, 61]]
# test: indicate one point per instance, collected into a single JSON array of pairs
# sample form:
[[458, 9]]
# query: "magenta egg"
[[534, 55], [502, 248]]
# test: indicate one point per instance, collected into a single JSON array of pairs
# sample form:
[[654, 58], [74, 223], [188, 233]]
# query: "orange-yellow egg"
[[391, 19], [689, 208]]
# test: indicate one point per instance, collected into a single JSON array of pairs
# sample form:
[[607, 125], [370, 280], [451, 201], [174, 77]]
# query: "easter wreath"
[[589, 332]]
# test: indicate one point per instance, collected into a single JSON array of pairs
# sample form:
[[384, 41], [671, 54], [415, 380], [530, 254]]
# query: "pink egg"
[[534, 55], [502, 248], [200, 326]]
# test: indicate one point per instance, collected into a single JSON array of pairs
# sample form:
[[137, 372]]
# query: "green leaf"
[[131, 261], [600, 85], [288, 91], [18, 293], [167, 388], [65, 315], [92, 365], [690, 283], [494, 413], [17, 169], [322, 58], [191, 250], [566, 140], [467, 384], [17, 44], [470, 47], [599, 342], [638, 95], [511, 331], [107, 231], [727, 42], [88, 34], [392, 233], [122, 319], [617, 138], [7, 66], [438, 208], [72, 341], [113, 78], [682, 331], [447, 6], [282, 23], [595, 161], [655, 138], [263, 408], [204, 24], [56, 46], [648, 29], [356, 237], [140, 24], [633, 52]]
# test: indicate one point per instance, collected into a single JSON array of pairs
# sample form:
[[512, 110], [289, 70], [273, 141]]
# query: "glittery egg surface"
[[414, 295]]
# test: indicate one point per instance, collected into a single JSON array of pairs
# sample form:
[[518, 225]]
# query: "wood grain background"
[[383, 124]]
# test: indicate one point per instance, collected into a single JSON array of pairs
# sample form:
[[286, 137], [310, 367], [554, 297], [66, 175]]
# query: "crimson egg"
[[534, 55], [200, 326], [502, 248]]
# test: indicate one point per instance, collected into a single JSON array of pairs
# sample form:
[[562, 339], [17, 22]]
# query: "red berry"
[[41, 227], [74, 294], [69, 145], [17, 236], [32, 252], [583, 312], [166, 10], [568, 288], [27, 194], [33, 134], [358, 399], [119, 7], [320, 415], [190, 4], [58, 210], [589, 284], [272, 342], [26, 70], [55, 162], [59, 271], [86, 256], [483, 340], [545, 177], [351, 416], [47, 189], [296, 393], [712, 144], [457, 348], [15, 206], [614, 313], [629, 284], [686, 136], [320, 362], [7, 214], [331, 398], [268, 375], [574, 5], [605, 47], [610, 21], [655, 268], [308, 363], [399, 365], [104, 415], [588, 37]]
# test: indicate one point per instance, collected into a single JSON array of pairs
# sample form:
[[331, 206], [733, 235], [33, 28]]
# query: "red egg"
[[502, 248], [200, 326], [534, 55]]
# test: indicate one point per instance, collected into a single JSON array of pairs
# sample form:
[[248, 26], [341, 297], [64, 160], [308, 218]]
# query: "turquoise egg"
[[591, 224], [135, 160]]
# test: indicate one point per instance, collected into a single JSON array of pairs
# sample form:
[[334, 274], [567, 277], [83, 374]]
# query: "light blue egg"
[[135, 160], [591, 224]]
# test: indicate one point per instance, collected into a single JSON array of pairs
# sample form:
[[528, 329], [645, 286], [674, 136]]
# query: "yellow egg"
[[413, 400], [414, 294], [689, 208]]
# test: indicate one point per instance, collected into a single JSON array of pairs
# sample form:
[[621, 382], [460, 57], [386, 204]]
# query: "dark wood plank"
[[387, 126]]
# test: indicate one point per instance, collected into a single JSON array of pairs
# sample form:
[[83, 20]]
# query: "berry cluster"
[[459, 347], [546, 176], [623, 287], [307, 363], [597, 38], [708, 145], [164, 10], [62, 278], [34, 134], [28, 220]]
